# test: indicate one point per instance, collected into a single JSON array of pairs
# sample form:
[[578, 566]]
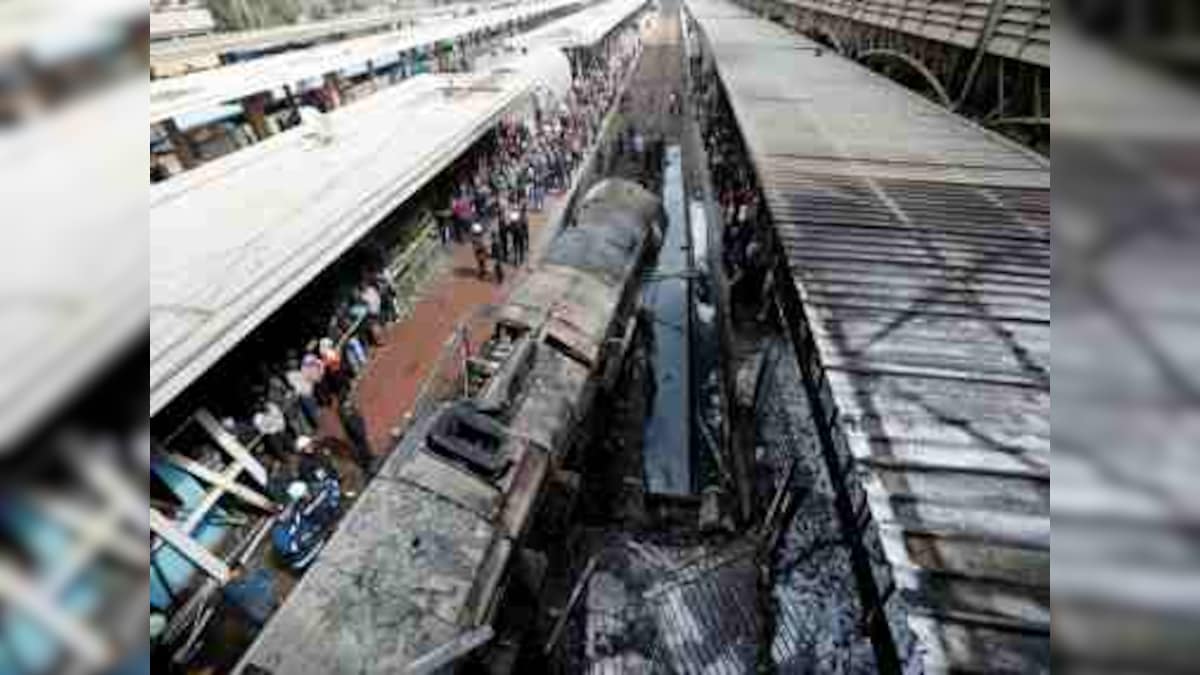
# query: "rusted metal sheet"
[[576, 308], [918, 250]]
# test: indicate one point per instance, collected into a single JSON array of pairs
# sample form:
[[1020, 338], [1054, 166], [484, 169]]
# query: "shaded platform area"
[[232, 241]]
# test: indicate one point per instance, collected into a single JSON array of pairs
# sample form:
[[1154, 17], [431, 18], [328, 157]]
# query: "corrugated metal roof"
[[919, 244], [234, 239], [1018, 29], [176, 96], [1127, 354]]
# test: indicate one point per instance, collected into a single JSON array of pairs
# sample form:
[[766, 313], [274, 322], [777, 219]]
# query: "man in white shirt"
[[270, 422]]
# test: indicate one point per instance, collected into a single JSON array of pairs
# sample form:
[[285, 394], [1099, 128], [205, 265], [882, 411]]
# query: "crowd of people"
[[495, 189], [526, 159], [279, 406], [287, 397], [745, 235]]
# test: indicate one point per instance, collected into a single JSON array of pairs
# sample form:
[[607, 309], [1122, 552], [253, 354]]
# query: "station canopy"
[[211, 88], [583, 29], [203, 51], [232, 240]]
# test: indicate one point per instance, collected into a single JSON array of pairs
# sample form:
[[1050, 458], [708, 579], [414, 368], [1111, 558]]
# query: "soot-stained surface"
[[814, 610]]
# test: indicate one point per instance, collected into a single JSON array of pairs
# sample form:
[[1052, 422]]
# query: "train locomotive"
[[424, 561]]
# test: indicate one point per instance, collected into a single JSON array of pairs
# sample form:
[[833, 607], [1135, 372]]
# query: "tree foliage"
[[250, 14]]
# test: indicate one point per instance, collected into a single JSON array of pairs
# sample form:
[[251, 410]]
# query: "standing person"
[[356, 432], [335, 375], [387, 296], [460, 208], [497, 262], [270, 422], [445, 225], [282, 395], [303, 388], [371, 300], [522, 235], [538, 193], [481, 203], [354, 352], [313, 370], [639, 148], [359, 323], [479, 249]]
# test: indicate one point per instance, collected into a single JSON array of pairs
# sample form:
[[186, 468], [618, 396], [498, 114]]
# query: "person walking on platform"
[[444, 222], [460, 209], [356, 432], [512, 238], [537, 195], [388, 295], [497, 261], [504, 236], [370, 296], [521, 232], [479, 249], [303, 388], [336, 380], [313, 370]]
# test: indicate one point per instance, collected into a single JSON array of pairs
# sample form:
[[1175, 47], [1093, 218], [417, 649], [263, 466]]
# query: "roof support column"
[[995, 11]]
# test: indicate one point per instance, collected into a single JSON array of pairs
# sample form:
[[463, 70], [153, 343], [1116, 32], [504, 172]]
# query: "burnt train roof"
[[419, 559], [586, 270], [919, 250], [623, 209]]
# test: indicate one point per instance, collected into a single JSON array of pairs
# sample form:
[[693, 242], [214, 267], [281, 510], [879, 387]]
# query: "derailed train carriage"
[[416, 573]]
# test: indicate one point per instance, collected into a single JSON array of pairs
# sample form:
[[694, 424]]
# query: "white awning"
[[234, 239], [176, 96]]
